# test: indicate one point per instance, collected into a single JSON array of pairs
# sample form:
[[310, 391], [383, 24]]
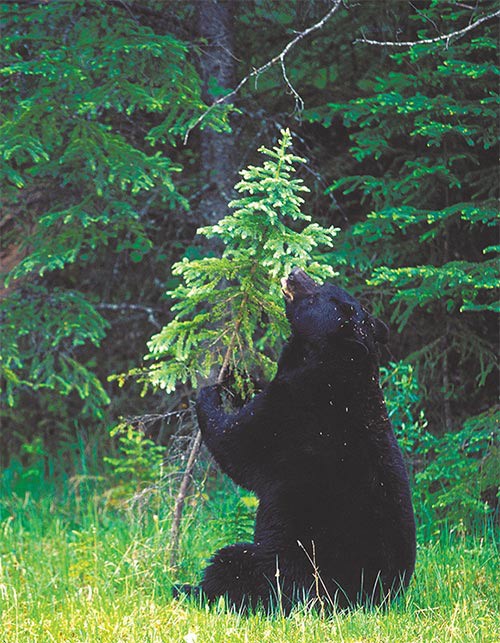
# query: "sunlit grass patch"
[[99, 575]]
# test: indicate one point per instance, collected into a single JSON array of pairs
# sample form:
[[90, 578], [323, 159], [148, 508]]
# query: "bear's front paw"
[[208, 396], [207, 405]]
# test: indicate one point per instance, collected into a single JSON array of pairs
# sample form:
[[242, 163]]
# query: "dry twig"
[[427, 41], [256, 72]]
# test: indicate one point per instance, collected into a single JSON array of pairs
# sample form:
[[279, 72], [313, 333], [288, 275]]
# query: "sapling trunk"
[[192, 458], [180, 499], [230, 307]]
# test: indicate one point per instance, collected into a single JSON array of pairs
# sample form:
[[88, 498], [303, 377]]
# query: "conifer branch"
[[428, 41], [280, 58], [195, 450], [196, 447]]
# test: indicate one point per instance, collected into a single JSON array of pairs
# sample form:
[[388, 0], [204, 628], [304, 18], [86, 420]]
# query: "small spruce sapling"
[[229, 311]]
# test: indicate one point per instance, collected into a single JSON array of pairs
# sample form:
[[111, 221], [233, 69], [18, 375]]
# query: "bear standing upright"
[[335, 520]]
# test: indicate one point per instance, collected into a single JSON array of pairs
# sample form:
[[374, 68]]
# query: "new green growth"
[[229, 311]]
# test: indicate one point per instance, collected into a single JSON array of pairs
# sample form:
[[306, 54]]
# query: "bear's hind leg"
[[245, 574]]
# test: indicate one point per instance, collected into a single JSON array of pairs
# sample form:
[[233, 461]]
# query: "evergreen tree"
[[229, 311], [94, 103], [424, 137]]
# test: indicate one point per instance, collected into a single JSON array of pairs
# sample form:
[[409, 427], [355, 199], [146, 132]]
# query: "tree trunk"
[[215, 26]]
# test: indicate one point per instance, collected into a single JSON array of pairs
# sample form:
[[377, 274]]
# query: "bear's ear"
[[358, 345], [380, 331]]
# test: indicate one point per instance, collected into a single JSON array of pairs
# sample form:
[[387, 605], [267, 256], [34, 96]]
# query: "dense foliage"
[[95, 106], [425, 139], [102, 198], [229, 313]]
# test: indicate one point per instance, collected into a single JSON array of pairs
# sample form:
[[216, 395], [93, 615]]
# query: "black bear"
[[335, 521]]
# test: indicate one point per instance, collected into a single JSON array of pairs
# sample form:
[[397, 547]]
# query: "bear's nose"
[[299, 284]]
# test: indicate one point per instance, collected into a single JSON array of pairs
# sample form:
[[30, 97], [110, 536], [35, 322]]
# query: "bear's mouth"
[[297, 285]]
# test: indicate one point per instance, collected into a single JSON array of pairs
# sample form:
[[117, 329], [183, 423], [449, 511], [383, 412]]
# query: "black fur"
[[335, 519]]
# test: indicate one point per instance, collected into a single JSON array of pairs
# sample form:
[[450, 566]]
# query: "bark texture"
[[215, 26]]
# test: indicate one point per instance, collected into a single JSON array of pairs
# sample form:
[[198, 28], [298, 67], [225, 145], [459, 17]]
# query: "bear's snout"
[[298, 284]]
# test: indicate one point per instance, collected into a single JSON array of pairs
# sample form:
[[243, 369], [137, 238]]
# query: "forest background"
[[117, 144]]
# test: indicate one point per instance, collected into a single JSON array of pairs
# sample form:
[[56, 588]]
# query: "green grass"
[[84, 569]]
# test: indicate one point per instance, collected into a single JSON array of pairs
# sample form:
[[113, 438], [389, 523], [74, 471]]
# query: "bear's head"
[[328, 316]]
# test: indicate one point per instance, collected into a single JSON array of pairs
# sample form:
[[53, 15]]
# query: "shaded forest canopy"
[[114, 154]]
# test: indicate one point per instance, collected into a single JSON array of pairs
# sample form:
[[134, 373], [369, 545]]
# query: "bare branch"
[[299, 103], [181, 496], [151, 312], [150, 418], [256, 72], [428, 41]]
